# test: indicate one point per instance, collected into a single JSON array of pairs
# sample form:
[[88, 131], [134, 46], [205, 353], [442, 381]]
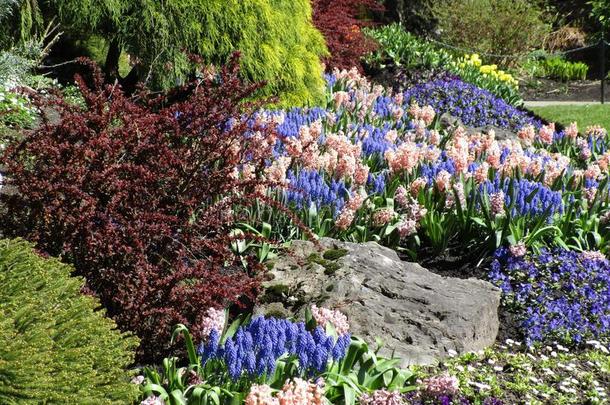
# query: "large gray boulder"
[[501, 134], [419, 315]]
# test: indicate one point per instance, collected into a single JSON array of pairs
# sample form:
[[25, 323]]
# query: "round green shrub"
[[56, 346]]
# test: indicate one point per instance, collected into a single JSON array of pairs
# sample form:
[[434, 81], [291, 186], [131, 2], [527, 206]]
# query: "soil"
[[552, 90]]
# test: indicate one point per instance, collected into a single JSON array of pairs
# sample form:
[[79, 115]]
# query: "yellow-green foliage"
[[277, 39], [278, 42], [56, 346]]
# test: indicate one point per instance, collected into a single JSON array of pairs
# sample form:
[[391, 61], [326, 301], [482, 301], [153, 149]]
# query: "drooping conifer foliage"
[[137, 194], [338, 21], [277, 39]]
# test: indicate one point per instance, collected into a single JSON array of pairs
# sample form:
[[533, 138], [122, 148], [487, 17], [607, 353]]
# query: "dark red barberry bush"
[[339, 23], [137, 193]]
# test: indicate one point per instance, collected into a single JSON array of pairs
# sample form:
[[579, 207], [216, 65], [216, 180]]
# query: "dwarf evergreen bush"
[[55, 346], [277, 39]]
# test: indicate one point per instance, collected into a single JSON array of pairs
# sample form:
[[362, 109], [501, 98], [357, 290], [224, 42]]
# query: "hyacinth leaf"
[[177, 398], [350, 395], [155, 389], [242, 319], [310, 322], [190, 347]]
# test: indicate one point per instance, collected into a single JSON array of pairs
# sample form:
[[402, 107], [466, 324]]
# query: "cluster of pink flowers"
[[153, 400], [406, 157], [413, 212], [518, 250], [592, 255], [346, 217], [496, 201], [572, 131], [382, 397], [425, 114], [295, 392], [214, 320], [383, 217], [441, 385], [325, 316]]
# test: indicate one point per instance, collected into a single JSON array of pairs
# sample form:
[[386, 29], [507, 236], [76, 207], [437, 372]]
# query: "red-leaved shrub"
[[339, 23], [137, 193]]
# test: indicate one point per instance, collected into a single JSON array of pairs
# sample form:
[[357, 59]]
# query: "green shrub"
[[55, 345], [504, 27], [278, 41], [558, 68]]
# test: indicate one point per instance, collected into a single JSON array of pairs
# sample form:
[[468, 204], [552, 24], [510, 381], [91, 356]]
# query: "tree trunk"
[[111, 66]]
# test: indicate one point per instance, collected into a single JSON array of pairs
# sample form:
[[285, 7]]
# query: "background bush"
[[55, 345], [137, 194], [504, 27], [278, 41], [339, 23]]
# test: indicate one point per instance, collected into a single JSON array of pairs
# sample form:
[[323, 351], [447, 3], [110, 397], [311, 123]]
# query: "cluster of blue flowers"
[[530, 197], [255, 348], [471, 104], [558, 295], [310, 186]]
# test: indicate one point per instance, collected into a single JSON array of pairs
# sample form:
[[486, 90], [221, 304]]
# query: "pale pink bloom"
[[402, 197], [593, 255], [391, 136], [417, 185], [399, 98], [361, 174], [518, 250], [590, 193], [605, 218], [496, 201], [427, 114], [481, 173], [346, 166], [415, 111], [137, 380], [572, 131], [345, 219], [279, 119], [383, 216], [261, 395], [406, 227], [535, 167], [493, 155], [405, 157], [355, 202], [596, 131], [153, 400], [337, 319], [340, 98], [294, 147], [382, 397], [435, 137], [459, 152], [604, 161], [214, 320], [432, 154], [301, 392], [459, 190], [420, 129], [551, 172], [546, 133], [441, 385], [443, 181], [397, 113], [527, 134], [593, 172], [247, 172], [277, 171], [578, 174], [585, 153]]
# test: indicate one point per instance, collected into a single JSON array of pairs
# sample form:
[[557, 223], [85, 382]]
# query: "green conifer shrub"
[[277, 39], [56, 346]]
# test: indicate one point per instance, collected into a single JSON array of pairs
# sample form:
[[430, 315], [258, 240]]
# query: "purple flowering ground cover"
[[558, 295]]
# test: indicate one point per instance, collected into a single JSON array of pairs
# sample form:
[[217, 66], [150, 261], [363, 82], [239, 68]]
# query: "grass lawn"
[[585, 115]]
